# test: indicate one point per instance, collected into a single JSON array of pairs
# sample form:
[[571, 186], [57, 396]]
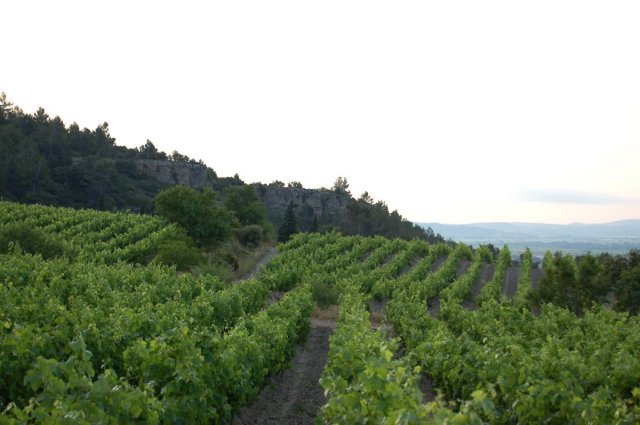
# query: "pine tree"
[[289, 225]]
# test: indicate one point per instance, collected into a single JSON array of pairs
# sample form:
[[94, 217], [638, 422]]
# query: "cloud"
[[569, 196]]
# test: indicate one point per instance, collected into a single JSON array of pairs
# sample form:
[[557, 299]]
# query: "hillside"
[[86, 334], [44, 161]]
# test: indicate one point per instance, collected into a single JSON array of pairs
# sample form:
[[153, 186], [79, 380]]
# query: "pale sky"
[[450, 111]]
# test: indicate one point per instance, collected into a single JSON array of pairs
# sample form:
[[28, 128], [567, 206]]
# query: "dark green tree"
[[243, 202], [197, 213], [149, 151], [628, 291], [559, 285], [366, 198], [341, 186], [178, 157], [591, 285], [289, 224]]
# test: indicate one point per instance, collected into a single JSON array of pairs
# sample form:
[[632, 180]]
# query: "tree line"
[[44, 161], [578, 283]]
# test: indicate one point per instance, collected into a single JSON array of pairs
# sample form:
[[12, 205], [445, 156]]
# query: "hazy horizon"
[[454, 113], [532, 222]]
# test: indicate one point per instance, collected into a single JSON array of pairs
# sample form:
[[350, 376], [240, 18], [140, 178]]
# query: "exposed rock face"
[[327, 205], [173, 172]]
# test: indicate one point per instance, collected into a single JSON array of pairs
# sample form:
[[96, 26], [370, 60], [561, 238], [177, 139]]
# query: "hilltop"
[[44, 161]]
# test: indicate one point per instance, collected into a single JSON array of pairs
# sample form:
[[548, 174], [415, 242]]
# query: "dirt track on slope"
[[272, 252], [294, 396]]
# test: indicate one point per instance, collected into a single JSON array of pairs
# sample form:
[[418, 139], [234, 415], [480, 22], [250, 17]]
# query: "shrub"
[[230, 259], [197, 212], [250, 235], [30, 240], [324, 294], [178, 253]]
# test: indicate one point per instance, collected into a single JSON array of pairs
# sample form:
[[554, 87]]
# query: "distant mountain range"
[[617, 236]]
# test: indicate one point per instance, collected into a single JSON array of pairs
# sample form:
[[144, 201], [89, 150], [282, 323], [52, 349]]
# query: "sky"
[[452, 112]]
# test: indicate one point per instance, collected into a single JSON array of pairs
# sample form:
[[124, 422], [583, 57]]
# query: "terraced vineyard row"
[[98, 340], [93, 339], [90, 235], [498, 363], [176, 348]]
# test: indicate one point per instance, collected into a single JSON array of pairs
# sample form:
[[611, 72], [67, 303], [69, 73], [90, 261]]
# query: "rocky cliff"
[[174, 172], [327, 206]]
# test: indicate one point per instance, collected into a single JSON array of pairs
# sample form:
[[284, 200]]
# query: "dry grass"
[[377, 316], [329, 313], [325, 317], [248, 259]]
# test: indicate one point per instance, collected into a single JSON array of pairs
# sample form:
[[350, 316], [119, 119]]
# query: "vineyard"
[[91, 235], [94, 338]]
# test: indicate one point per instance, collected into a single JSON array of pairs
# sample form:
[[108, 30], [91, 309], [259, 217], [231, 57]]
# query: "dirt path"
[[437, 264], [433, 307], [536, 277], [425, 383], [414, 261], [294, 396], [462, 268], [271, 252], [511, 279]]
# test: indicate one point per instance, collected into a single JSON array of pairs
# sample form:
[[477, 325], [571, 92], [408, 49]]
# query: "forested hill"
[[44, 161]]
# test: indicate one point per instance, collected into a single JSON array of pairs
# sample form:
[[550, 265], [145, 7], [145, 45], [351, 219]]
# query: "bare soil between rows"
[[294, 396], [511, 281]]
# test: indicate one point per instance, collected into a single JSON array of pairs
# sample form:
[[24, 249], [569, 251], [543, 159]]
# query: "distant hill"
[[615, 237]]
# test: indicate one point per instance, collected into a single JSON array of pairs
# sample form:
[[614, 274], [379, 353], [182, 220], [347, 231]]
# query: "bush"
[[214, 268], [178, 253], [324, 294], [230, 259], [30, 240], [206, 223], [245, 204], [250, 235]]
